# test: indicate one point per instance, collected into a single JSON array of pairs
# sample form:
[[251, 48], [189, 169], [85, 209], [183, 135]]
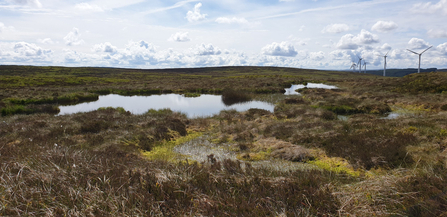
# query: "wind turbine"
[[420, 54], [384, 65], [360, 64], [353, 66]]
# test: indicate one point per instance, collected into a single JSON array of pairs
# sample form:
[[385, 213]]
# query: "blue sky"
[[319, 34]]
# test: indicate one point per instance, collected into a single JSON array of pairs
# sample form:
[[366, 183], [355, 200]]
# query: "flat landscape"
[[373, 146]]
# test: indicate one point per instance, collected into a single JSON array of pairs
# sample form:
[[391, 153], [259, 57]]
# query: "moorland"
[[325, 152]]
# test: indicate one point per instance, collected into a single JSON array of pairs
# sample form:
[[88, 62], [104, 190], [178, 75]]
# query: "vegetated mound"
[[371, 148], [434, 82], [400, 72], [254, 113], [284, 150]]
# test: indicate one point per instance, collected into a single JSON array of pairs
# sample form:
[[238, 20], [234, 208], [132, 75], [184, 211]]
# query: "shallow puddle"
[[200, 148], [291, 90]]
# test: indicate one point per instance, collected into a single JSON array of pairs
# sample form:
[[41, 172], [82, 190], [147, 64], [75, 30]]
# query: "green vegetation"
[[300, 160]]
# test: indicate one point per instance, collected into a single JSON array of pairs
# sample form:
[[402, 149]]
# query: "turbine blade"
[[412, 52], [387, 53], [426, 49]]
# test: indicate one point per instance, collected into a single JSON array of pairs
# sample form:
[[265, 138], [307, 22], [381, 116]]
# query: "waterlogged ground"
[[373, 146], [202, 150]]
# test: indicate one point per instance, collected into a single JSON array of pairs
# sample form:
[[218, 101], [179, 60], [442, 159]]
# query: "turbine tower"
[[360, 64], [353, 67], [384, 65], [420, 54]]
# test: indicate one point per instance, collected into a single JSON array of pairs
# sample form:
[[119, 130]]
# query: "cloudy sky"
[[320, 34]]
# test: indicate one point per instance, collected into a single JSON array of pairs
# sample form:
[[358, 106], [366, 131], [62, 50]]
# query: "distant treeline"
[[399, 72]]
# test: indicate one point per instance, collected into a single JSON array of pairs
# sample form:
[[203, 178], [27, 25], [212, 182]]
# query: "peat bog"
[[322, 152]]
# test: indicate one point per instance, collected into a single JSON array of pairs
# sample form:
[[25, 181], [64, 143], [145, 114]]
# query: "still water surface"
[[203, 106], [291, 90]]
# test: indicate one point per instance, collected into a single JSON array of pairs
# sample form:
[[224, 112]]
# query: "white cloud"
[[227, 20], [437, 33], [352, 42], [286, 0], [4, 28], [299, 41], [280, 49], [335, 28], [347, 42], [45, 41], [195, 15], [398, 54], [366, 37], [72, 56], [30, 3], [106, 47], [417, 43], [209, 49], [385, 47], [384, 26], [88, 7], [24, 53], [26, 49], [344, 55], [430, 8], [72, 38], [442, 48], [317, 56], [179, 37]]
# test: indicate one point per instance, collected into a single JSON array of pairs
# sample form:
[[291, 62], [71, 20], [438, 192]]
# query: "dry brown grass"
[[90, 164]]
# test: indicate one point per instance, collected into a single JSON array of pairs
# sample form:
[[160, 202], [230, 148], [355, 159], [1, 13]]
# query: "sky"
[[317, 34]]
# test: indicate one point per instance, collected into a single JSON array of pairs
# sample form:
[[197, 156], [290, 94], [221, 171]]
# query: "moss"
[[118, 109], [191, 95], [335, 164], [257, 156], [15, 109], [65, 99], [164, 150]]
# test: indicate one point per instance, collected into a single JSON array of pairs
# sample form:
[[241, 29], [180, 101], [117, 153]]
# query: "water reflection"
[[205, 105], [392, 115], [291, 90]]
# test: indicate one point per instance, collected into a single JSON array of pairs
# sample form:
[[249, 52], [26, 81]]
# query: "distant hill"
[[401, 72]]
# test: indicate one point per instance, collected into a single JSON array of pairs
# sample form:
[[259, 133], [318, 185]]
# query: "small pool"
[[291, 90], [202, 106]]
